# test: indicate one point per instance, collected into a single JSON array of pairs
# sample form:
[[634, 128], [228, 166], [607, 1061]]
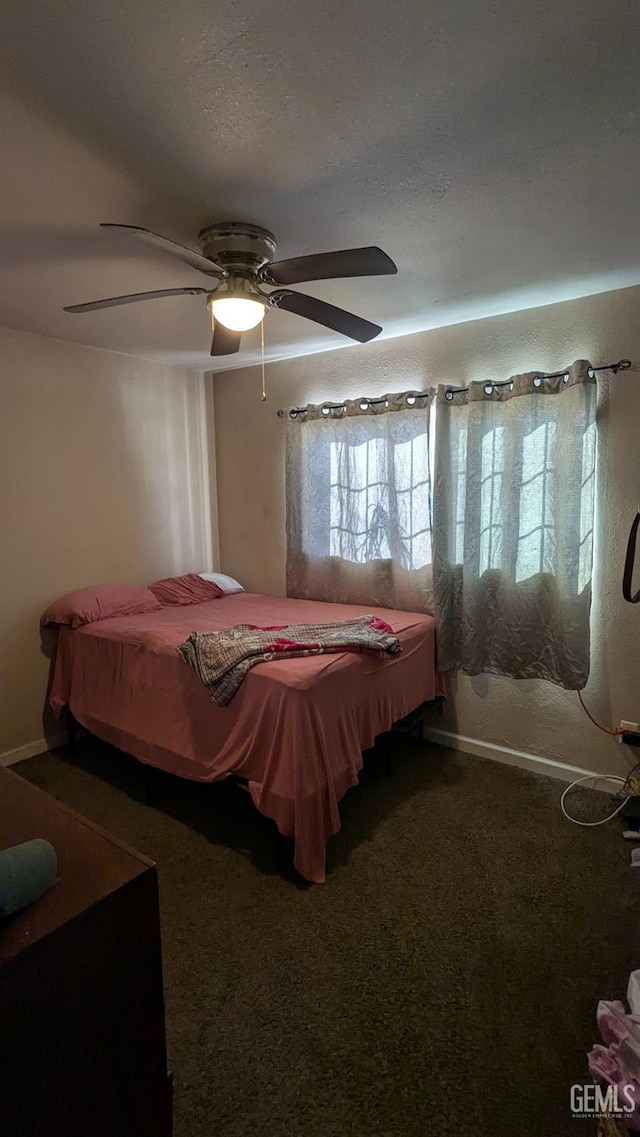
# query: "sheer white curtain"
[[513, 526], [359, 502]]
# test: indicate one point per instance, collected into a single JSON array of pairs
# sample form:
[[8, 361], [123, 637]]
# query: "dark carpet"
[[443, 981]]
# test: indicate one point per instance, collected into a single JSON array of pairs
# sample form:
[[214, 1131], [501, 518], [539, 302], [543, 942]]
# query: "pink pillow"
[[187, 589], [86, 605]]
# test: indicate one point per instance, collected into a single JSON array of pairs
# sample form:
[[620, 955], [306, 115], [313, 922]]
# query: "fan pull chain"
[[264, 389]]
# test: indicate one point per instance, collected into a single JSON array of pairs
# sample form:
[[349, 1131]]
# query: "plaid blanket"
[[222, 659]]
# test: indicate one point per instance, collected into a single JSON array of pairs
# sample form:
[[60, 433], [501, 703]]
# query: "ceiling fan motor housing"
[[237, 246]]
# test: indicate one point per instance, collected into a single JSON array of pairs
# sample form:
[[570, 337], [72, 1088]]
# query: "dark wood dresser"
[[82, 1034]]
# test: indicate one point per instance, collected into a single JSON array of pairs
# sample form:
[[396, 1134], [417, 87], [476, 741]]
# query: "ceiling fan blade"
[[335, 318], [188, 256], [134, 297], [225, 342], [369, 261]]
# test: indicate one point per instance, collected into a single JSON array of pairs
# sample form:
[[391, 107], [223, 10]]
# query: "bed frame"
[[412, 725]]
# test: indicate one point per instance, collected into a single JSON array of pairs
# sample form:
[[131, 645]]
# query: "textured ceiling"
[[493, 150]]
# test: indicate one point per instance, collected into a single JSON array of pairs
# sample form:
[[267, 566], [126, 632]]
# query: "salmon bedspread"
[[295, 729]]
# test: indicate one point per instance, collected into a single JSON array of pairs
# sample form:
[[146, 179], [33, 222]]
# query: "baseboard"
[[549, 766], [30, 749]]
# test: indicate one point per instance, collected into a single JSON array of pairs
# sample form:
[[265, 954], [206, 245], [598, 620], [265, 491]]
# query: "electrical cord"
[[591, 778], [630, 783], [604, 729]]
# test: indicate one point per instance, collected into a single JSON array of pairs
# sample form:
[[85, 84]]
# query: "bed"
[[296, 729]]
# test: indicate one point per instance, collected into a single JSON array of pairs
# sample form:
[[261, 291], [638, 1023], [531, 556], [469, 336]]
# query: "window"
[[359, 506], [380, 500], [513, 517], [514, 525], [518, 514]]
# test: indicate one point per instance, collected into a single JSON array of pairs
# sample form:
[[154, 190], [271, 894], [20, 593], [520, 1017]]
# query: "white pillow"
[[226, 583]]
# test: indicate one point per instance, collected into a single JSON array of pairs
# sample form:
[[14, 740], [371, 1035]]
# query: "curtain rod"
[[621, 365]]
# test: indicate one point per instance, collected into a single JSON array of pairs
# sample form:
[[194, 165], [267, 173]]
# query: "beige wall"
[[104, 478], [530, 716]]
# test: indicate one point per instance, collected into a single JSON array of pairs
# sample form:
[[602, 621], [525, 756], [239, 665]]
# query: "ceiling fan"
[[240, 258]]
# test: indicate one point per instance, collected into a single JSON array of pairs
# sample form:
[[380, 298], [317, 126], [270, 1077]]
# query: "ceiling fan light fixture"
[[237, 313]]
